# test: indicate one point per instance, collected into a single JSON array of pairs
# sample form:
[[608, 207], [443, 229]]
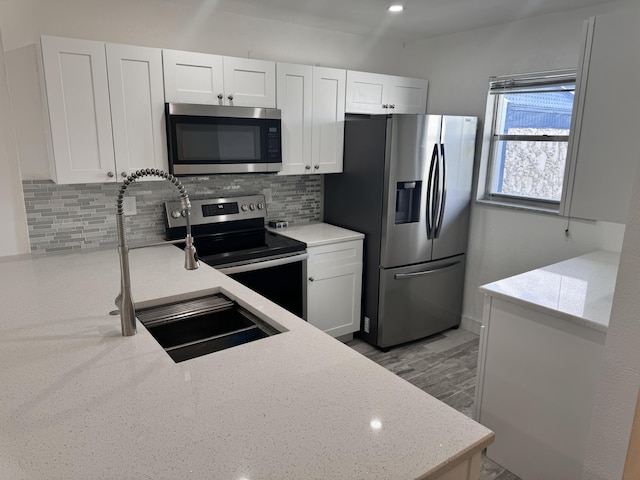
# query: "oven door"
[[282, 280]]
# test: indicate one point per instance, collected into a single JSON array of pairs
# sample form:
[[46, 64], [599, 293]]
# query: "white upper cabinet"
[[294, 99], [105, 107], [327, 140], [311, 100], [203, 78], [137, 107], [604, 150], [249, 83], [77, 91], [191, 77], [377, 93]]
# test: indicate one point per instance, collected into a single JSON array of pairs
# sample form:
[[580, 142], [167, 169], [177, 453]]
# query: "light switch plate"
[[129, 206]]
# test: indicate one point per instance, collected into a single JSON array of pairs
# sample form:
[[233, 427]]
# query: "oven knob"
[[260, 206], [244, 208], [252, 206], [176, 213]]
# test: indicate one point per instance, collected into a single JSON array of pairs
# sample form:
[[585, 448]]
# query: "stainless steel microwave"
[[210, 139]]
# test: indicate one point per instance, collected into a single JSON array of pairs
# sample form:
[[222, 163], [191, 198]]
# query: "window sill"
[[518, 206]]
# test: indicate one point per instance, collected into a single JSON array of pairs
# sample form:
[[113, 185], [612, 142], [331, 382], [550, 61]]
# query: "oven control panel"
[[214, 210]]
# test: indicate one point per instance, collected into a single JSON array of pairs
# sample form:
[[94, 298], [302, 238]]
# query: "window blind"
[[564, 80]]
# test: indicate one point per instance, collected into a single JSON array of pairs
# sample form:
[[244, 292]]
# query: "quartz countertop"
[[79, 401], [316, 234], [579, 289]]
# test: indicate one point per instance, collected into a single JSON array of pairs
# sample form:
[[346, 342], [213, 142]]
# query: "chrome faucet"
[[124, 302]]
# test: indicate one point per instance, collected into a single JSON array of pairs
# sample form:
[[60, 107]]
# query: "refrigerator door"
[[411, 149], [456, 152], [420, 300]]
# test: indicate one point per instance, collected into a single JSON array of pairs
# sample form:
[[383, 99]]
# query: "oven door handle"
[[249, 267]]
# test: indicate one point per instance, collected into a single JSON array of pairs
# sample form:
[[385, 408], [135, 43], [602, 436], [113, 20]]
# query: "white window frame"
[[512, 83]]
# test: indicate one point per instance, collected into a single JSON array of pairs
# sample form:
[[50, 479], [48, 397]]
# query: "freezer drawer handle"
[[450, 266]]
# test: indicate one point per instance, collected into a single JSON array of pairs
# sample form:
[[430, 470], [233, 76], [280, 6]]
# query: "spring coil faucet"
[[124, 301]]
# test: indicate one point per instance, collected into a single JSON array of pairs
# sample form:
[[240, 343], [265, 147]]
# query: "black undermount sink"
[[201, 326]]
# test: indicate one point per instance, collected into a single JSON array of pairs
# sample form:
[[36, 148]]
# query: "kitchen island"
[[79, 401], [541, 349]]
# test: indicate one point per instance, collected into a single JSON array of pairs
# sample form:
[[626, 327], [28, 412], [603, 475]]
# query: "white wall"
[[185, 25], [505, 242], [620, 376], [14, 239]]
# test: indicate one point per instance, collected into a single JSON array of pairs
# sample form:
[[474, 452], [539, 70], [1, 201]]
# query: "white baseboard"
[[470, 324]]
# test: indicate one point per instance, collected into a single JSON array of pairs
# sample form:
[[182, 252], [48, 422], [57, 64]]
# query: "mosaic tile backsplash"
[[72, 217]]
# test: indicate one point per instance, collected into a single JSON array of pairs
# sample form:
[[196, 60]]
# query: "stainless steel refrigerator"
[[406, 185]]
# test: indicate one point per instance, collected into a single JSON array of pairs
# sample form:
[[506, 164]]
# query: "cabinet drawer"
[[335, 254]]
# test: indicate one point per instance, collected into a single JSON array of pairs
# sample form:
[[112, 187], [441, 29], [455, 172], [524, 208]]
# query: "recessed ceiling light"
[[396, 8]]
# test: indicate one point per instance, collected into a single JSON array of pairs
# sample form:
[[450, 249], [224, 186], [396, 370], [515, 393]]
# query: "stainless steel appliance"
[[210, 139], [229, 234], [406, 185]]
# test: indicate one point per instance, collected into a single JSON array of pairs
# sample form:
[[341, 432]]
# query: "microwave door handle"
[[430, 192], [443, 194]]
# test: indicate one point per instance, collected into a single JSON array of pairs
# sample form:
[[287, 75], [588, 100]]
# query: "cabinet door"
[[365, 92], [191, 77], [328, 119], [334, 287], [295, 101], [249, 83], [75, 76], [407, 95], [604, 150], [137, 107]]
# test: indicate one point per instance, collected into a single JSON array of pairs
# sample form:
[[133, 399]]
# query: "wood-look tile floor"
[[444, 366]]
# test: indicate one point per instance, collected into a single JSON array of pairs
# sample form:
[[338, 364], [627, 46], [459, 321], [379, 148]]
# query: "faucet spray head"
[[190, 255]]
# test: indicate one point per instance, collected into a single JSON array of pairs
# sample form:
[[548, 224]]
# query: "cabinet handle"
[[230, 96], [317, 167], [123, 174], [384, 105], [110, 174], [311, 279], [220, 96], [307, 167], [392, 106]]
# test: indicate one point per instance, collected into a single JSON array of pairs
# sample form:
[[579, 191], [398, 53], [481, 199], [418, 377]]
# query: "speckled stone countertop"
[[579, 289], [79, 401], [316, 234]]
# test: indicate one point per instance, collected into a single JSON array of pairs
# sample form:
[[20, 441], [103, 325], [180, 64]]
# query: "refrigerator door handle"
[[443, 196], [449, 266], [431, 192]]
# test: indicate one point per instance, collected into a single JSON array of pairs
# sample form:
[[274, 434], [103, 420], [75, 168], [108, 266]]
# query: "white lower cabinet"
[[106, 109], [334, 287], [537, 381]]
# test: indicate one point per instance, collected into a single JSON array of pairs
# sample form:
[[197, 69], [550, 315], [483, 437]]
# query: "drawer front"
[[335, 254]]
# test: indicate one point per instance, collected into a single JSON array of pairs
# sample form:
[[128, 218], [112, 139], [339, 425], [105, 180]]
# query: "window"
[[530, 118]]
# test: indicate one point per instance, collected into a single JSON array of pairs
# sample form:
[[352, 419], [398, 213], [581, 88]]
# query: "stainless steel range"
[[230, 235]]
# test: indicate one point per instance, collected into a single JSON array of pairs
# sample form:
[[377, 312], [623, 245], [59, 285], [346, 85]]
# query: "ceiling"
[[420, 19]]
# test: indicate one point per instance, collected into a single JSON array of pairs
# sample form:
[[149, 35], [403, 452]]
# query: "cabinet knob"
[[230, 96], [385, 105], [220, 96], [317, 167], [392, 106], [123, 174], [311, 279], [110, 174], [307, 167]]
